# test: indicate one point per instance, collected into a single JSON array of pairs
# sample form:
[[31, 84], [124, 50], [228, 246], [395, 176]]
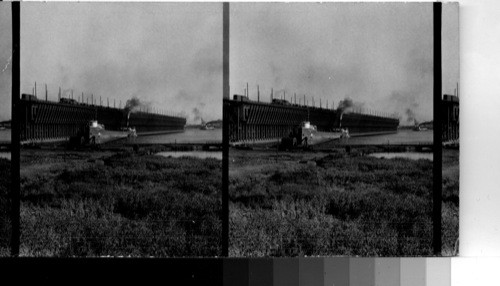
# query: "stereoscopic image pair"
[[229, 129]]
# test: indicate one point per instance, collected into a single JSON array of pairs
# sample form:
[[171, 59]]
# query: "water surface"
[[407, 155], [402, 137], [188, 136], [197, 154]]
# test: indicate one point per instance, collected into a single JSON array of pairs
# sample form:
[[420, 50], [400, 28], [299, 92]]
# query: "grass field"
[[5, 207], [119, 204], [290, 204], [450, 207], [285, 204]]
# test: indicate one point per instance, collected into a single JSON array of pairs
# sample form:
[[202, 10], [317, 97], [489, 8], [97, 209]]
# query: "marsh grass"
[[450, 206], [5, 207], [335, 204], [121, 205]]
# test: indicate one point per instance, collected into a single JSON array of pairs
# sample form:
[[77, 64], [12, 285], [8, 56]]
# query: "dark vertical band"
[[438, 153], [15, 145], [225, 130]]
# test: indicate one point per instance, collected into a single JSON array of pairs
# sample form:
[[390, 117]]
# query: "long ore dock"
[[254, 121], [48, 121]]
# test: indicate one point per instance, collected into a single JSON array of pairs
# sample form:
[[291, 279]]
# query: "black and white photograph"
[[121, 129], [331, 129], [250, 143], [330, 124], [5, 126]]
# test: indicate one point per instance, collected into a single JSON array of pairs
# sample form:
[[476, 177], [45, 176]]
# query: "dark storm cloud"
[[168, 55]]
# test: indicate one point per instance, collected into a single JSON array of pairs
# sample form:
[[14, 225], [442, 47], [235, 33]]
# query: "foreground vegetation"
[[100, 204], [450, 206], [5, 207], [286, 204], [292, 204]]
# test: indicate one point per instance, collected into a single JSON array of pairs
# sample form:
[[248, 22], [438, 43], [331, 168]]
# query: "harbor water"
[[404, 136], [191, 135], [215, 135], [197, 154], [407, 155]]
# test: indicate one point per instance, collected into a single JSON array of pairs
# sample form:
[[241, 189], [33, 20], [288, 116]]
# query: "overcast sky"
[[450, 48], [377, 54], [5, 58], [168, 55]]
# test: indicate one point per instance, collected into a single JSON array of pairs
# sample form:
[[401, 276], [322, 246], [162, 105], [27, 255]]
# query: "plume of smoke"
[[132, 104], [407, 105], [410, 116], [183, 114], [197, 114], [347, 105]]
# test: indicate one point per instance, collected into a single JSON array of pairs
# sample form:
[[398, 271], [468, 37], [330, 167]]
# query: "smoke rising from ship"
[[197, 114], [132, 104], [347, 105], [410, 116]]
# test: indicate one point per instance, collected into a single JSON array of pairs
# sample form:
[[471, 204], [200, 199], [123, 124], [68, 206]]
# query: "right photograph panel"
[[449, 111], [331, 129]]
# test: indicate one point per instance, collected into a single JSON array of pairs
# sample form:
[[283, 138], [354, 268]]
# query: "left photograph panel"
[[121, 129], [5, 126]]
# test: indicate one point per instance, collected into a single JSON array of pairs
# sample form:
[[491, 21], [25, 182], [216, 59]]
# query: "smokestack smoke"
[[347, 106], [197, 114], [132, 105], [410, 116]]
